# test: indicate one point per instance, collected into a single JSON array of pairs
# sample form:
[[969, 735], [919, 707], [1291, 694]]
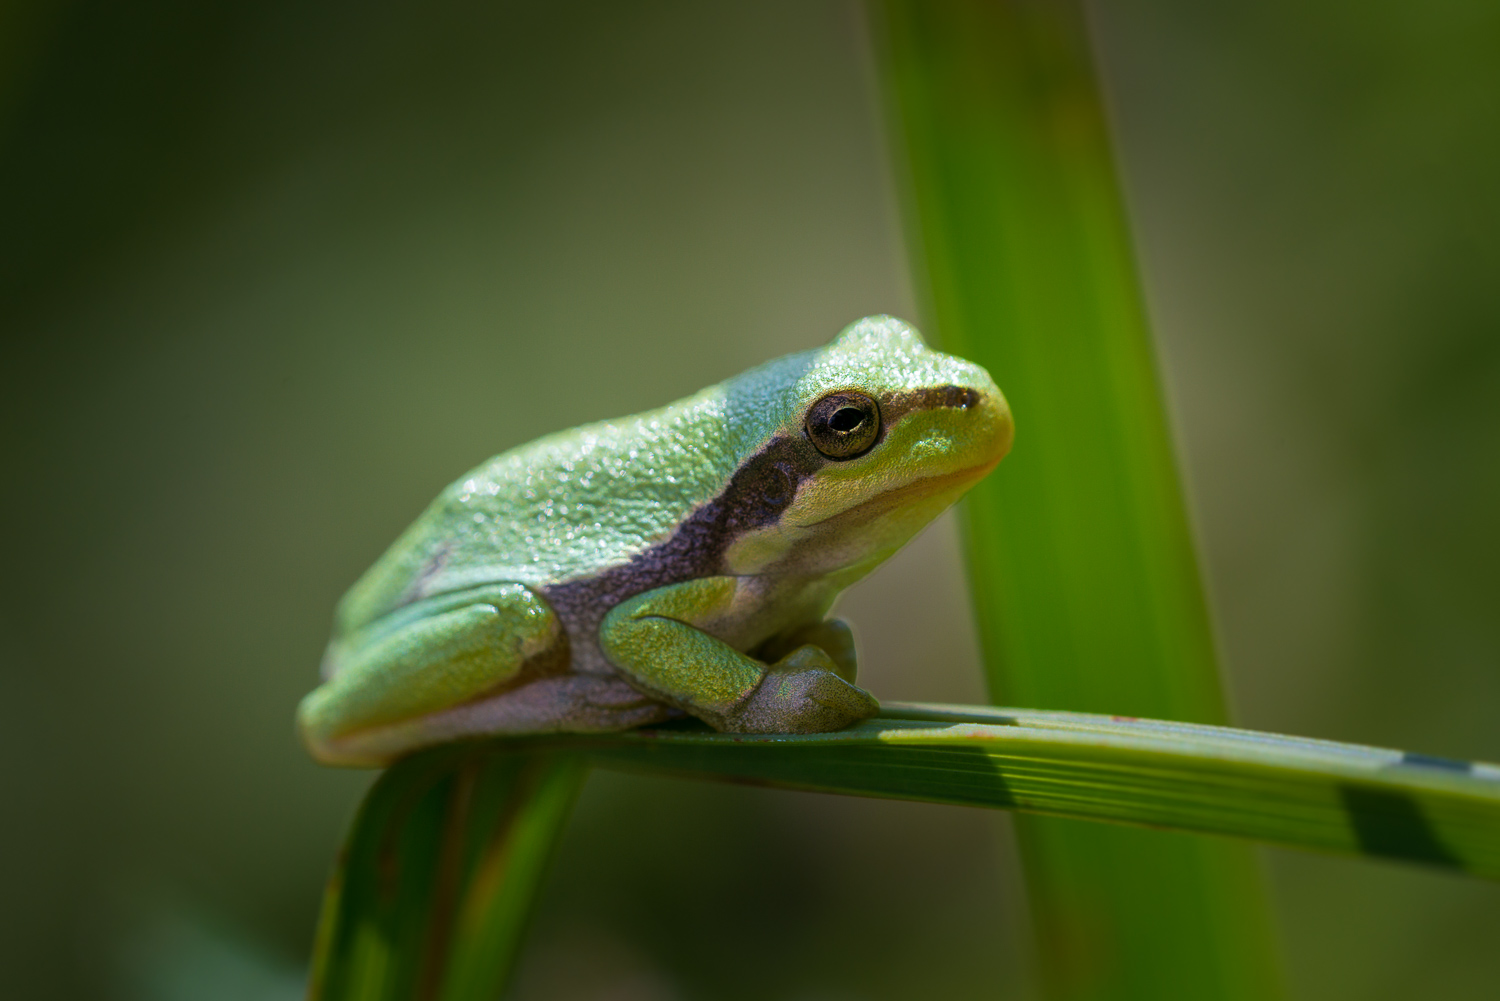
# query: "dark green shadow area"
[[390, 873], [1392, 825], [963, 776], [1416, 759]]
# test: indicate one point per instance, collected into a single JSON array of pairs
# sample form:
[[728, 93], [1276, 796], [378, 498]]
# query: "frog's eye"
[[844, 425]]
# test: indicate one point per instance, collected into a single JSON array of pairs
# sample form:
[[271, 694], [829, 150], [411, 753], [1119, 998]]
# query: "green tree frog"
[[681, 561]]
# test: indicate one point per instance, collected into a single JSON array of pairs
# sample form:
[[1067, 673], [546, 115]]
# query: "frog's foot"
[[803, 692], [652, 640]]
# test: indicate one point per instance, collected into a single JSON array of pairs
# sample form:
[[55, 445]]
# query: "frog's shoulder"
[[568, 505]]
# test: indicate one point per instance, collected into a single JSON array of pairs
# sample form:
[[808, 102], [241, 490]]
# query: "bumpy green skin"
[[682, 560]]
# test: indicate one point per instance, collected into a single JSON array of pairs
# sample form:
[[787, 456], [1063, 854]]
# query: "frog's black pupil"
[[846, 419]]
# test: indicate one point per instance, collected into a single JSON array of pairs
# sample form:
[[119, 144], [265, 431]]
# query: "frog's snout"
[[986, 424], [998, 429]]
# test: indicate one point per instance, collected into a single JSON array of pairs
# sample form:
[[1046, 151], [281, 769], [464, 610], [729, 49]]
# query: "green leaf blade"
[[1079, 552], [1300, 793], [432, 892], [430, 897]]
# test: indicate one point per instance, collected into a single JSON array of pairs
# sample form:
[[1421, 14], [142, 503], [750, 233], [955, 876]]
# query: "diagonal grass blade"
[[431, 895]]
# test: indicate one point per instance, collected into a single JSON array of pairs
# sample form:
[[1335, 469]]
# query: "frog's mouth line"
[[889, 500]]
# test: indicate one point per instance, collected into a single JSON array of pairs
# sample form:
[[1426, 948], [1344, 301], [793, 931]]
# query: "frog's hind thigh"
[[554, 703], [421, 661]]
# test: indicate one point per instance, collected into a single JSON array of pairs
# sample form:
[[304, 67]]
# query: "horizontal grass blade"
[[1300, 793], [432, 891]]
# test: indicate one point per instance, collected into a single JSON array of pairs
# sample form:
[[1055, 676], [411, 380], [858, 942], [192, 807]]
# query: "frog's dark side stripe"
[[756, 495], [901, 404]]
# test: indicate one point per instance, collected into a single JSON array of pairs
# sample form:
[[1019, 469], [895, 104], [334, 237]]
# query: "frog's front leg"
[[419, 660], [653, 640]]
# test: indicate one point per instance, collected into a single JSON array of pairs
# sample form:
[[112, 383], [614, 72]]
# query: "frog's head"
[[849, 450]]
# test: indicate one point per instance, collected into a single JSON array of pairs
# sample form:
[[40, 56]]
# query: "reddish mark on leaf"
[[1124, 719]]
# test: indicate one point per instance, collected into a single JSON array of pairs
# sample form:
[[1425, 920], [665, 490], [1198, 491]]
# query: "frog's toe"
[[832, 636], [802, 694]]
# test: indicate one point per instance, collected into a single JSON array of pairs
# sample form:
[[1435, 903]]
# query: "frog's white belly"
[[557, 703]]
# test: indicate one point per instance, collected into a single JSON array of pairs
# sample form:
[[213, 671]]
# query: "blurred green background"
[[272, 274]]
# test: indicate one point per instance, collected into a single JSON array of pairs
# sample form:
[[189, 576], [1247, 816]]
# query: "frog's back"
[[564, 507]]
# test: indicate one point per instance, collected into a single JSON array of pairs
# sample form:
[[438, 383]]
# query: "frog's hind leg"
[[419, 661]]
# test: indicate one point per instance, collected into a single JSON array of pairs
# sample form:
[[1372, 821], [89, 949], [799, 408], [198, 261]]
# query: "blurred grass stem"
[[433, 891], [1084, 578]]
